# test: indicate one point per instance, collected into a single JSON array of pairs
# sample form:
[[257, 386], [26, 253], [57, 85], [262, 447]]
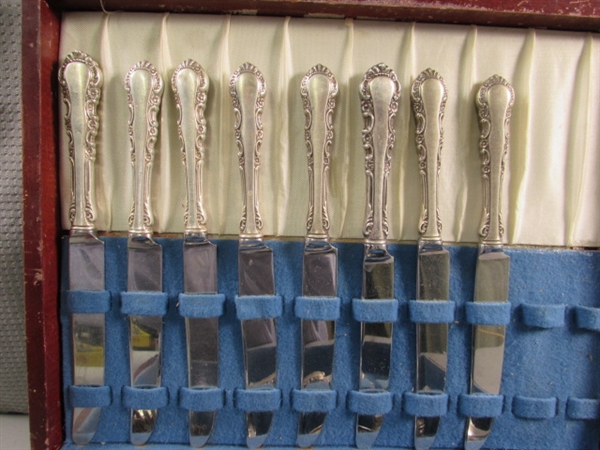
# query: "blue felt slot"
[[543, 316], [317, 308], [488, 313], [258, 399], [250, 307], [144, 303], [370, 403], [588, 318], [144, 398], [89, 396], [374, 311], [480, 405], [201, 306], [209, 399], [583, 408], [534, 408], [431, 311], [88, 302], [312, 400], [425, 405]]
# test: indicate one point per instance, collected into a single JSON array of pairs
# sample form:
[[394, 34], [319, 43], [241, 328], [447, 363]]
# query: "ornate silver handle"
[[247, 88], [429, 101], [318, 90], [190, 85], [379, 93], [494, 104], [144, 87], [81, 79]]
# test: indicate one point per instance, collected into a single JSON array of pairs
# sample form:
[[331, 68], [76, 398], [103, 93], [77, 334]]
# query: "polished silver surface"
[[433, 271], [144, 87], [255, 260], [494, 104], [190, 85], [81, 79], [319, 270], [380, 93]]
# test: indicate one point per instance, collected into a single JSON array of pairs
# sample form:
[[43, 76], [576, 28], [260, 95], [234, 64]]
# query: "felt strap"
[[258, 399], [89, 396], [370, 403], [317, 308], [488, 313], [425, 405], [209, 399], [480, 405], [201, 306], [375, 311], [431, 311], [534, 408], [543, 316], [88, 302], [144, 398], [314, 400], [250, 307], [144, 303], [588, 318], [583, 408]]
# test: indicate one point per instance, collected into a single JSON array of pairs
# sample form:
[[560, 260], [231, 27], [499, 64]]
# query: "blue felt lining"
[[89, 396], [144, 398], [425, 405], [480, 405], [88, 302], [209, 399], [317, 308], [313, 400], [431, 311], [250, 307], [534, 408], [201, 306], [588, 318], [488, 313], [144, 303], [583, 408], [258, 399], [543, 316], [375, 311], [370, 403]]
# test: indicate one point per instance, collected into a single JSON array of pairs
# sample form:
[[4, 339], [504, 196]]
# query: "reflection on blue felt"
[[561, 362]]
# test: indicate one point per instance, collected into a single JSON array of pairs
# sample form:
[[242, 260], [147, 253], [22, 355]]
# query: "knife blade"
[[190, 86], [433, 271], [255, 259], [494, 104], [81, 80], [380, 93], [319, 270], [144, 87]]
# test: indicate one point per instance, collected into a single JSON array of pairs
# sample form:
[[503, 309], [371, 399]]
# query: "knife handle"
[[494, 105], [81, 80], [318, 90], [144, 87], [379, 93], [247, 88], [429, 101], [190, 86]]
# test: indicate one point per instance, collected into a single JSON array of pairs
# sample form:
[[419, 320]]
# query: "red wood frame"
[[41, 32]]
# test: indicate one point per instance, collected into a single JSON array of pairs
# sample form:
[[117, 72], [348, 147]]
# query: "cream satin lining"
[[552, 183]]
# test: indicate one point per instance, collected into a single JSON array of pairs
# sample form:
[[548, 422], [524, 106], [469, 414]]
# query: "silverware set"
[[81, 81]]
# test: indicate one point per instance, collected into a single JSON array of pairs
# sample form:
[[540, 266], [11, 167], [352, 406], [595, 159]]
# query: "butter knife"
[[144, 88], [81, 79], [319, 274], [255, 259], [494, 103], [433, 272], [380, 93], [190, 86]]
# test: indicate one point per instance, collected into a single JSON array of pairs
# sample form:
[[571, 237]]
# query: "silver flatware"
[[190, 86], [380, 93], [494, 104], [433, 271], [319, 271], [144, 88], [81, 79], [255, 259]]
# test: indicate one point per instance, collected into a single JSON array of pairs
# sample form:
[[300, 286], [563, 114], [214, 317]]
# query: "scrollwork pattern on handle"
[[82, 206]]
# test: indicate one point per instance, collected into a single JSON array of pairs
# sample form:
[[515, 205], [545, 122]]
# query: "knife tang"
[[81, 80], [255, 260], [144, 87], [190, 85], [429, 96], [494, 104], [319, 269], [380, 93]]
